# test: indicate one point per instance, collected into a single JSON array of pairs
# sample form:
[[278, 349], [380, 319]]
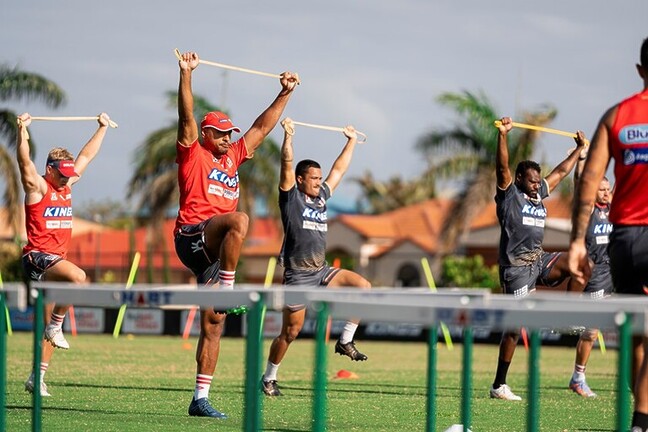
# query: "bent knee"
[[291, 335], [240, 223], [589, 335], [78, 276]]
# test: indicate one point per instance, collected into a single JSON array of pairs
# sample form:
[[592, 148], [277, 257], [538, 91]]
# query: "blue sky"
[[375, 64]]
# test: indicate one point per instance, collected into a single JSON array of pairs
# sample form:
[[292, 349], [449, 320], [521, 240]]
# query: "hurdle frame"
[[464, 307]]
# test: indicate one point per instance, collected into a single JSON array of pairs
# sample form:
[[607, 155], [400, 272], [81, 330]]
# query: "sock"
[[271, 372], [203, 382], [579, 373], [500, 375], [57, 320], [639, 420], [348, 332], [226, 279], [43, 369]]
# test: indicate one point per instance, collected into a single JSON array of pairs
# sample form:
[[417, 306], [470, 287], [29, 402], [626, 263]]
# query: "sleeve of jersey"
[[285, 196], [185, 153], [325, 191], [239, 152], [544, 189]]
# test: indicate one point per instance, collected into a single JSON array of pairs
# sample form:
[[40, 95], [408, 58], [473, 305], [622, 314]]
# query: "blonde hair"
[[59, 153]]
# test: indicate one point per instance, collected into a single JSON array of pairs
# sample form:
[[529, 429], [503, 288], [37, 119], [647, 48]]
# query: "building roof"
[[421, 223]]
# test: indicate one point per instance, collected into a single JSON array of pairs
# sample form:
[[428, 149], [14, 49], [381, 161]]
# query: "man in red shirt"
[[48, 219], [209, 232], [622, 134]]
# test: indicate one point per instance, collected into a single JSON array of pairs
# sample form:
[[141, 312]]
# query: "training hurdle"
[[11, 295], [164, 296], [628, 314], [467, 308]]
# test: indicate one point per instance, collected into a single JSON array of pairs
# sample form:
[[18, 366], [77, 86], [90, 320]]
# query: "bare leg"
[[291, 325], [211, 329]]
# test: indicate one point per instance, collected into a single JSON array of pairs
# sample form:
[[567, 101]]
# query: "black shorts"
[[190, 248], [321, 277], [600, 283], [628, 252], [36, 263], [521, 280]]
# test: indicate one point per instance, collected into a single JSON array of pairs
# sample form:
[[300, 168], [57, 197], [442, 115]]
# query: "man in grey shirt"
[[302, 201], [522, 215]]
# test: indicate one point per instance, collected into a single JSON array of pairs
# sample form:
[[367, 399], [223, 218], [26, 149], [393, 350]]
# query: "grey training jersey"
[[304, 223], [598, 233], [522, 220]]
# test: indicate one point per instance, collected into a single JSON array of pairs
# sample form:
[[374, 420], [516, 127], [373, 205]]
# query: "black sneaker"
[[349, 350], [202, 408], [270, 388]]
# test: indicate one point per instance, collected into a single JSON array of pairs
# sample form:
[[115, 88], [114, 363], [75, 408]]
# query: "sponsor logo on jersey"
[[314, 215], [54, 197], [55, 211], [603, 228], [635, 156], [314, 226], [528, 209], [634, 134], [222, 177]]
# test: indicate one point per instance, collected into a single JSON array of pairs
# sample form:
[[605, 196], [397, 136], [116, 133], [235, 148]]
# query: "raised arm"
[[91, 148], [268, 119], [33, 184], [596, 163], [342, 162], [187, 128], [564, 168], [287, 175], [502, 170], [580, 164]]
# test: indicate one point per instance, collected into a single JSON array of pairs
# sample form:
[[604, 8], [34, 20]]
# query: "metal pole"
[[253, 400], [433, 339], [3, 361], [38, 349], [623, 376], [319, 380], [466, 381], [533, 413]]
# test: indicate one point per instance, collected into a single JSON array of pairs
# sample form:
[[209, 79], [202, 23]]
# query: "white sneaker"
[[504, 392], [29, 386], [54, 335]]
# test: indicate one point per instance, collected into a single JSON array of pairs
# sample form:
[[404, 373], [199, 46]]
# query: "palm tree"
[[16, 84], [155, 179], [466, 153], [379, 197]]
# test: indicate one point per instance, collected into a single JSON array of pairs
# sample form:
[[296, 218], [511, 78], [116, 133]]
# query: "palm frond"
[[13, 188], [17, 84]]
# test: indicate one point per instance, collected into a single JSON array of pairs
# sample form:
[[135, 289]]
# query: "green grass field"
[[145, 383]]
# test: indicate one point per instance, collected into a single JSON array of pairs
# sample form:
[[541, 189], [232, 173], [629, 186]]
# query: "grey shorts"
[[36, 263], [600, 283], [321, 277], [521, 280]]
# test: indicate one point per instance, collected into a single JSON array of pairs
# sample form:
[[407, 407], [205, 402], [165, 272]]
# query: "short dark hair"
[[644, 54], [523, 166], [303, 167]]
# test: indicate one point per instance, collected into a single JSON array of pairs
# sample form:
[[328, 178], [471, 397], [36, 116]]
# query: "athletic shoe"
[[503, 392], [29, 386], [270, 388], [349, 350], [238, 310], [54, 335], [581, 388], [202, 408]]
